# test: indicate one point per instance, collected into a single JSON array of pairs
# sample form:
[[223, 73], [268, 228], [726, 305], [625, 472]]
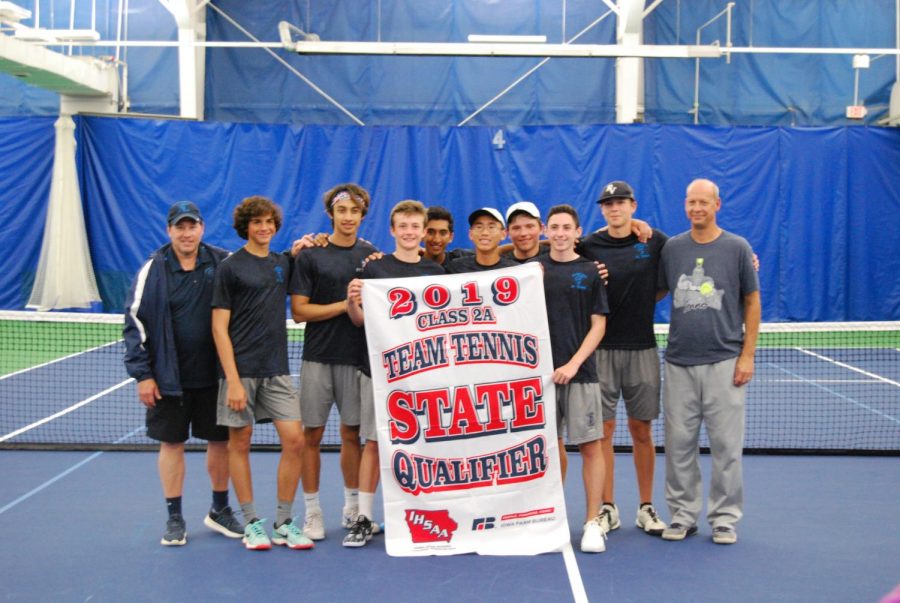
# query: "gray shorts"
[[268, 399], [322, 385], [632, 375], [367, 428], [580, 406]]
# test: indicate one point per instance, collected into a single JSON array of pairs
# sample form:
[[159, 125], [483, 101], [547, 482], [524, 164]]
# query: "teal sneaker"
[[289, 535], [255, 537]]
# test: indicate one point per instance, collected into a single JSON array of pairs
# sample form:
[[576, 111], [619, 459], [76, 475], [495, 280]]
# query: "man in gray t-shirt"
[[709, 360]]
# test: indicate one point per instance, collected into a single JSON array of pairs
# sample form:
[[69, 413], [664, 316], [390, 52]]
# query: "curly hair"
[[254, 207], [358, 195]]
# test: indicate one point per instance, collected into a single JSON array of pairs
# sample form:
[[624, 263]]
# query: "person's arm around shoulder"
[[567, 372], [743, 369]]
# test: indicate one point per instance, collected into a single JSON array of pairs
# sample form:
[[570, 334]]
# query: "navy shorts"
[[194, 411]]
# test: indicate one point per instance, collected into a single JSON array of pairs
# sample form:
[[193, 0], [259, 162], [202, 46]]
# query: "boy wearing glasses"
[[486, 230]]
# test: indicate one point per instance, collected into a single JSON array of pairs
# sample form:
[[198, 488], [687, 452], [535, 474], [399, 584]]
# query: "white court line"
[[832, 381], [43, 364], [840, 395], [64, 411], [55, 479], [849, 367], [575, 583]]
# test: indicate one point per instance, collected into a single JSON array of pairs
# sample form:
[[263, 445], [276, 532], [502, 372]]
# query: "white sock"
[[311, 501], [351, 497], [366, 504]]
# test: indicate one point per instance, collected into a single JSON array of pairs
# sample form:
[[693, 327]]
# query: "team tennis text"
[[469, 347]]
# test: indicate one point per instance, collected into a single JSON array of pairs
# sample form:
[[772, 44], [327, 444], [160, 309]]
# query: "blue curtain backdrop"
[[252, 85], [819, 205], [26, 164]]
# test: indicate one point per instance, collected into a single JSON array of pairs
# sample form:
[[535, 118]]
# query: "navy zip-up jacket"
[[149, 335]]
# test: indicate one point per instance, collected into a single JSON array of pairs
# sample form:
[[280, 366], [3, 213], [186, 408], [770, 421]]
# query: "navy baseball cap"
[[617, 189], [182, 210]]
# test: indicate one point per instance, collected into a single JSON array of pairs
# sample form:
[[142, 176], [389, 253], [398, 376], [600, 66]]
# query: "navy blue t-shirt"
[[190, 296], [322, 274], [468, 263], [573, 292], [631, 286], [390, 267], [452, 254], [511, 255], [255, 289]]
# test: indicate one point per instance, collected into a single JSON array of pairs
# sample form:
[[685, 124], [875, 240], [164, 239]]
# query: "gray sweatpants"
[[691, 395]]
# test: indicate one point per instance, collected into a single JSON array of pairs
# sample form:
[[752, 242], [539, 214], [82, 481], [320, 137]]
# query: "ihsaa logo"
[[430, 526], [483, 523]]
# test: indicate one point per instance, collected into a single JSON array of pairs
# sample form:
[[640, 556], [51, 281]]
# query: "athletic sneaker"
[[176, 533], [255, 537], [314, 526], [678, 531], [593, 537], [611, 514], [224, 522], [360, 533], [724, 535], [348, 516], [649, 521], [289, 535]]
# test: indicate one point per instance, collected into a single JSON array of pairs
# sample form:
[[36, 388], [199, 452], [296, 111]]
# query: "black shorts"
[[170, 419]]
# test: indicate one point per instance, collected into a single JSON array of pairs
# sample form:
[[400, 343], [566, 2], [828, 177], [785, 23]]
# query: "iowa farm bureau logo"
[[430, 526], [480, 524]]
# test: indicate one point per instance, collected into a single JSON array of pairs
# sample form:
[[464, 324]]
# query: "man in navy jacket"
[[171, 355]]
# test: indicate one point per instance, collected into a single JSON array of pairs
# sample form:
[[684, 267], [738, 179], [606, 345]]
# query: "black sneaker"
[[360, 532], [176, 532], [224, 522], [678, 531]]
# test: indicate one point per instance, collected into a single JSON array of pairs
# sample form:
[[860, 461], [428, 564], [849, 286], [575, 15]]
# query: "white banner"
[[466, 412]]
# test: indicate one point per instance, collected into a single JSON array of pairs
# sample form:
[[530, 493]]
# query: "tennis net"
[[818, 387]]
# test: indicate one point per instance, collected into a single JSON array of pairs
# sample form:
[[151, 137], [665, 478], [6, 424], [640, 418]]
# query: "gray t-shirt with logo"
[[708, 282]]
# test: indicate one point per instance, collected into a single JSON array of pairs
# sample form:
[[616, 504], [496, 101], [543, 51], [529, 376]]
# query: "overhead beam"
[[504, 50], [38, 66]]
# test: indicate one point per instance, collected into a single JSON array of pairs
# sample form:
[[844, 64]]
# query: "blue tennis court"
[[816, 529]]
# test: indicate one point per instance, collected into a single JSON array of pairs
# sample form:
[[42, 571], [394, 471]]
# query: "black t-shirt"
[[255, 290], [390, 267], [190, 296], [511, 254], [452, 254], [468, 263], [573, 292], [631, 286], [322, 274]]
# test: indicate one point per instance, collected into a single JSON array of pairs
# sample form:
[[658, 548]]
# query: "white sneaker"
[[314, 526], [348, 517], [594, 536], [610, 514], [649, 521]]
